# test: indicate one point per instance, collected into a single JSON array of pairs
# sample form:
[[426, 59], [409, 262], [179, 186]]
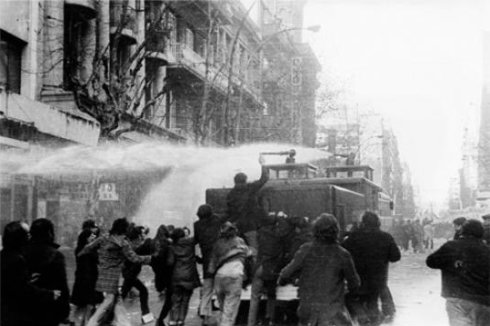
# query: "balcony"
[[160, 47], [194, 63], [85, 8], [123, 19]]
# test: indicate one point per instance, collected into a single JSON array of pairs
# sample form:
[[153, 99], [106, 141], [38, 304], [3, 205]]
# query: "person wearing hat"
[[323, 266], [465, 267], [486, 228]]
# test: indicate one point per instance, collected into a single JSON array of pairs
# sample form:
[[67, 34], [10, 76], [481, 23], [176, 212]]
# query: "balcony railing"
[[159, 44]]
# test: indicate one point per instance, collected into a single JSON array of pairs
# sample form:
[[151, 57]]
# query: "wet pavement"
[[415, 288]]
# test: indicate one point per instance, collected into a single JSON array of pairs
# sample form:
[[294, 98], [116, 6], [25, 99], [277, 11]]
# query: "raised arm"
[[264, 177]]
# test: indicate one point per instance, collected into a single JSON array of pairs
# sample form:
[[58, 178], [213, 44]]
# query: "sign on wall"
[[296, 64], [107, 191]]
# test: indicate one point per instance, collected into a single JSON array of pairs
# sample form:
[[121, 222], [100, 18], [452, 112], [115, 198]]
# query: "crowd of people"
[[416, 236], [342, 278]]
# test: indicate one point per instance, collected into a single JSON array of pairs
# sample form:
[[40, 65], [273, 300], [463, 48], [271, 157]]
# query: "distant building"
[[469, 170], [483, 196], [289, 75], [369, 141], [454, 199]]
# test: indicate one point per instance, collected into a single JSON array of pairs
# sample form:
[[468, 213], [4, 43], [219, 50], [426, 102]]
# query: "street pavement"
[[415, 288]]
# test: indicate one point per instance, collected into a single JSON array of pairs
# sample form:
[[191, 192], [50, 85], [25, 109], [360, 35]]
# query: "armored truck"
[[301, 190]]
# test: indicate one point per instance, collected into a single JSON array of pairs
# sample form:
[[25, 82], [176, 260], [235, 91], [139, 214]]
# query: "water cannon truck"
[[302, 190]]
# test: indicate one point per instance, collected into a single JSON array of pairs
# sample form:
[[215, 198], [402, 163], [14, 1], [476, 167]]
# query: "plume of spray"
[[176, 198]]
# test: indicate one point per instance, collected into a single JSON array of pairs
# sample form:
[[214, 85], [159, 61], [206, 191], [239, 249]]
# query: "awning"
[[72, 125]]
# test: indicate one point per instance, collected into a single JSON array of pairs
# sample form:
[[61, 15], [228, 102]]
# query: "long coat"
[[85, 275], [372, 250], [18, 296], [270, 253], [206, 233], [323, 269], [182, 259], [113, 251], [45, 261]]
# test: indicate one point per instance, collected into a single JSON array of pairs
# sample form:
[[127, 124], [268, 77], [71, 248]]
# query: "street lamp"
[[313, 28]]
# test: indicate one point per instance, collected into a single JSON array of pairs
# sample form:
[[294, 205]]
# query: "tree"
[[116, 87]]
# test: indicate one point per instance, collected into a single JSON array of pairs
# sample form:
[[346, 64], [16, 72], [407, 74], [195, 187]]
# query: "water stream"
[[175, 199]]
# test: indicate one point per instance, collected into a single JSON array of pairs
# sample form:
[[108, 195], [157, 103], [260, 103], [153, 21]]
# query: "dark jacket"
[[130, 269], [465, 266], [206, 233], [323, 269], [182, 258], [243, 205], [163, 273], [85, 275], [19, 297], [226, 250], [270, 252], [45, 261], [372, 250]]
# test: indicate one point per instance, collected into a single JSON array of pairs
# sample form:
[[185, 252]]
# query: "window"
[[10, 61], [75, 48], [171, 26], [200, 45], [189, 38]]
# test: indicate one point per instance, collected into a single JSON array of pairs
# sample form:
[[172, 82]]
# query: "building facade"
[[483, 195], [182, 71], [86, 71]]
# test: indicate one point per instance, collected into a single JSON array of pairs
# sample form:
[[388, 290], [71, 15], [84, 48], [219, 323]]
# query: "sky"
[[418, 63]]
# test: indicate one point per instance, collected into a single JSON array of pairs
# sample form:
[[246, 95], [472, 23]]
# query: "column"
[[53, 44], [103, 30]]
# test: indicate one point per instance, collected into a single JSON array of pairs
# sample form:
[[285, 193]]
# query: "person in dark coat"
[[324, 267], [465, 267], [243, 206], [47, 267], [405, 234], [410, 234], [185, 278], [163, 273], [372, 250], [269, 258], [84, 296], [131, 270], [18, 294], [206, 233]]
